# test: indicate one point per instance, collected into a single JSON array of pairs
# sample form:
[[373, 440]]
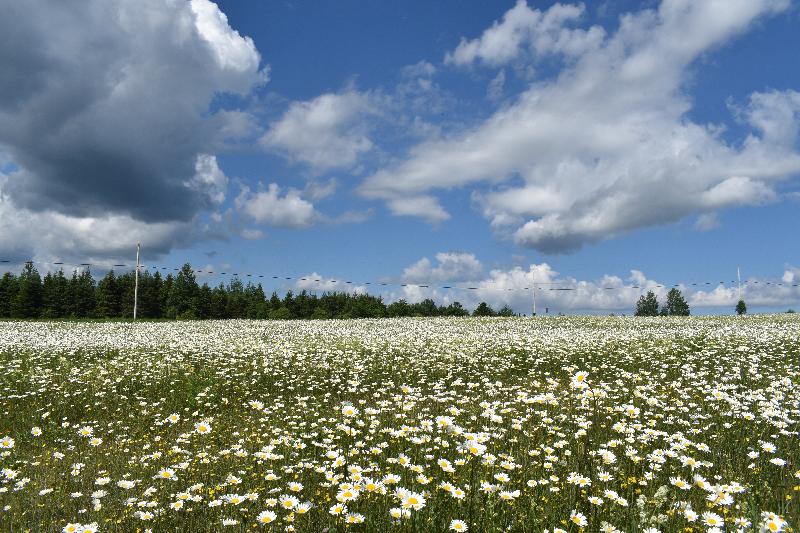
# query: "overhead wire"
[[540, 286]]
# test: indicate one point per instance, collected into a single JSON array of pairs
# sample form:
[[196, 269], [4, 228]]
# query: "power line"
[[539, 286]]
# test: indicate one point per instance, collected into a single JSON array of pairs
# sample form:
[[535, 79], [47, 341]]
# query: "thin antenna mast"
[[136, 284]]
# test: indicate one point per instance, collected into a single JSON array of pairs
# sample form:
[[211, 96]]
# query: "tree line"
[[675, 305], [180, 296]]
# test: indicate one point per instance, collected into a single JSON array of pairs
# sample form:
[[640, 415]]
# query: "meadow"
[[445, 424]]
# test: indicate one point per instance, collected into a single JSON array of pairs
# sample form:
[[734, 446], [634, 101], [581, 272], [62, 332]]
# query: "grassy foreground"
[[595, 424]]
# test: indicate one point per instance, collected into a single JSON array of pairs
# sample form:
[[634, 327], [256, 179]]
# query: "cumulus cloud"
[[317, 282], [50, 235], [561, 293], [319, 190], [104, 112], [707, 222], [425, 207], [606, 145], [494, 91], [329, 131], [524, 29], [271, 208], [450, 267], [209, 178], [791, 275]]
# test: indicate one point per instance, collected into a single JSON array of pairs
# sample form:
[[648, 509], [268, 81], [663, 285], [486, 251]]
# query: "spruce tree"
[[28, 299], [647, 305], [741, 307], [182, 295], [676, 304], [50, 297], [256, 302], [153, 287], [8, 292], [204, 302], [483, 309], [82, 294], [108, 297], [219, 302], [505, 311], [163, 296], [237, 301]]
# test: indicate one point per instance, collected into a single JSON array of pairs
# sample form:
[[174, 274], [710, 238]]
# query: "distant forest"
[[28, 295]]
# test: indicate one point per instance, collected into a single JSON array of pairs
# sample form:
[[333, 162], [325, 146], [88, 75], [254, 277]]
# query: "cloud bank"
[[105, 117], [560, 293], [604, 146]]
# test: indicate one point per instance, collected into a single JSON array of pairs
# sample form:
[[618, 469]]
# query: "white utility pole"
[[136, 283], [534, 293], [739, 279]]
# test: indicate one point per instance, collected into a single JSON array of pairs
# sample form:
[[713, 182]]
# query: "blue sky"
[[484, 143]]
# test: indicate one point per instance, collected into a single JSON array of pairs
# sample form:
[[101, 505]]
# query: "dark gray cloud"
[[104, 105]]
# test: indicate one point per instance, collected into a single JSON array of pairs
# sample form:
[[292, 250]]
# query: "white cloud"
[[450, 267], [268, 207], [318, 190], [422, 69], [317, 282], [540, 32], [105, 112], [251, 234], [494, 91], [606, 146], [791, 275], [209, 178], [232, 51], [560, 293], [50, 236], [707, 222], [425, 207], [330, 131]]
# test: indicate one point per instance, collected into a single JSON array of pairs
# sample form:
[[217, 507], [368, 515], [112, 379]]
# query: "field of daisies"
[[424, 425]]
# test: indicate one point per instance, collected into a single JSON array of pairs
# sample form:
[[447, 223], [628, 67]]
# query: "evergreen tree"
[[164, 295], [455, 309], [204, 302], [150, 288], [366, 306], [256, 302], [82, 294], [237, 300], [8, 293], [219, 302], [676, 305], [426, 307], [28, 299], [108, 297], [55, 295], [398, 309], [274, 301], [320, 313], [647, 305], [741, 307], [288, 302], [281, 313], [125, 289], [505, 311], [483, 309], [61, 294], [303, 305], [183, 294]]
